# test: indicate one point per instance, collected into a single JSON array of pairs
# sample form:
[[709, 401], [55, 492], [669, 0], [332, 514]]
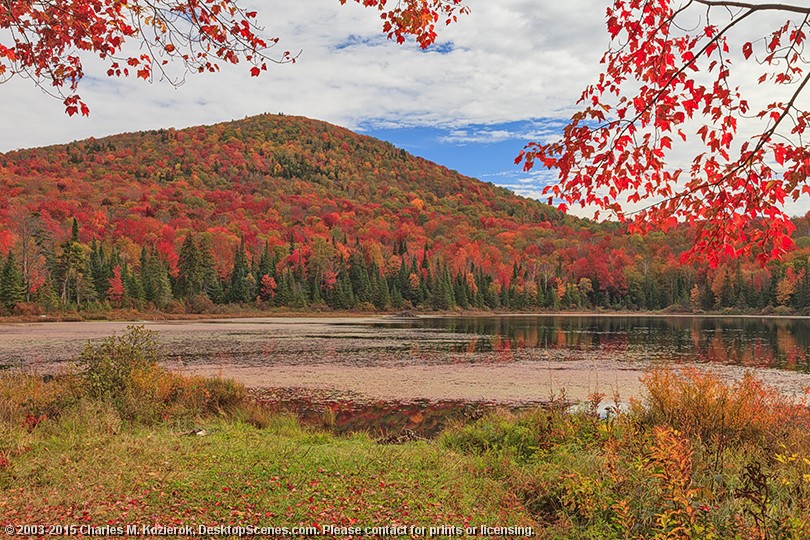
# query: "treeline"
[[326, 273]]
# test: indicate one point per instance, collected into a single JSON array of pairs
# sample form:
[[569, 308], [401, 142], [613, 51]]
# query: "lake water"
[[745, 341], [428, 368]]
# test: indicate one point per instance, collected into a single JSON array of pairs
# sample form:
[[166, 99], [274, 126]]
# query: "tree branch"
[[755, 7]]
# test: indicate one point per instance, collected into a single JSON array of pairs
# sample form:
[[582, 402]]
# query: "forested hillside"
[[286, 211]]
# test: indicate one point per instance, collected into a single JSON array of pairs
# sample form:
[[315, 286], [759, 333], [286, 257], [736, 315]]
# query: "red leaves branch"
[[49, 37], [618, 145], [417, 18]]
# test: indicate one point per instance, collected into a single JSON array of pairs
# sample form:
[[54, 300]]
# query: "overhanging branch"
[[755, 7]]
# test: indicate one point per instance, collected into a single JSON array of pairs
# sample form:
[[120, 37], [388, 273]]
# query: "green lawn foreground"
[[117, 444]]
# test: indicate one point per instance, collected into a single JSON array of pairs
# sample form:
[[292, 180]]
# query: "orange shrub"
[[699, 403]]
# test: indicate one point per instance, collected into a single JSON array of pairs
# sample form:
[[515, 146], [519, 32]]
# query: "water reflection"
[[752, 342], [436, 341]]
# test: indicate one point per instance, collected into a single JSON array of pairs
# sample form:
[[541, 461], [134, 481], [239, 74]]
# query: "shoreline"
[[144, 317]]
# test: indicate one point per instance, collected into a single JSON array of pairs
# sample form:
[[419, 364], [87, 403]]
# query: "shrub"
[[200, 303], [124, 372], [110, 365], [699, 403], [366, 307], [27, 309], [30, 398]]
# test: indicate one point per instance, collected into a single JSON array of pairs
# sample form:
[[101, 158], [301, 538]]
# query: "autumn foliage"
[[668, 89], [276, 211]]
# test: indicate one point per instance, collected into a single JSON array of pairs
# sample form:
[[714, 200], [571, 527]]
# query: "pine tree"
[[342, 296], [73, 273], [267, 263], [359, 277], [12, 285], [191, 273], [442, 290], [460, 292], [382, 296], [100, 270], [212, 285], [74, 231], [155, 279], [238, 291]]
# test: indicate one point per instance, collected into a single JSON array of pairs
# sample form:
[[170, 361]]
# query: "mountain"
[[318, 208]]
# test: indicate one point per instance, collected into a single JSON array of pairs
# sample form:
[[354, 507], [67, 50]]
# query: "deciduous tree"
[[669, 87]]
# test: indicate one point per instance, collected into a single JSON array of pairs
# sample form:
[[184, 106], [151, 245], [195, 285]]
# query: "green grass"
[[86, 467]]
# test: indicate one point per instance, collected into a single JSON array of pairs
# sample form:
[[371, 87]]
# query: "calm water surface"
[[756, 342], [780, 343], [386, 374]]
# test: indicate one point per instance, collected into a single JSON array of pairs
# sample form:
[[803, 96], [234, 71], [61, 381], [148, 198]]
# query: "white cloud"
[[510, 60]]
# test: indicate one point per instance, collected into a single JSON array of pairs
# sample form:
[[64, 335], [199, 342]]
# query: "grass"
[[238, 474], [117, 444]]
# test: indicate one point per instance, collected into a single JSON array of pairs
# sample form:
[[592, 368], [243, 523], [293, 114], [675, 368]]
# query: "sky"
[[507, 73]]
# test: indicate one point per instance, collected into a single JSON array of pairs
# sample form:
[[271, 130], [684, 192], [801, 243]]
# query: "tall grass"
[[696, 458], [123, 372]]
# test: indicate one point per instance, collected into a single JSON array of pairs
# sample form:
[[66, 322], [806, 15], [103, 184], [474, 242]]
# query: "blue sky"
[[490, 159]]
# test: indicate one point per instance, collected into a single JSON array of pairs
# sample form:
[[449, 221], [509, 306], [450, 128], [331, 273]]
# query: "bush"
[[200, 303], [124, 372], [28, 309], [111, 365], [366, 307], [699, 403], [29, 398]]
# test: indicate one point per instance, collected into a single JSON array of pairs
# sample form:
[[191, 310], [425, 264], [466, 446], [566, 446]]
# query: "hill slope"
[[275, 178], [311, 200]]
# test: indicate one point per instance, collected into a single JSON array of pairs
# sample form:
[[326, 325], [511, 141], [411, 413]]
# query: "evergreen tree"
[[267, 263], [382, 296], [74, 231], [100, 270], [460, 292], [133, 289], [155, 279], [342, 296], [12, 285], [238, 289], [191, 272], [442, 290], [359, 277], [289, 292], [212, 285], [72, 272]]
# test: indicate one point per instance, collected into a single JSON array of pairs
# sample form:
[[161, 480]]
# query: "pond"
[[423, 370]]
